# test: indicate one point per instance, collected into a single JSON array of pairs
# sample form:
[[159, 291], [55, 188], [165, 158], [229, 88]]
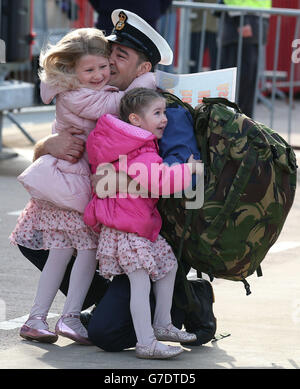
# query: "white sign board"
[[191, 88]]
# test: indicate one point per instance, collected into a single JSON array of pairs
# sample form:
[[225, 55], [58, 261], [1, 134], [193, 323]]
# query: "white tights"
[[140, 304], [51, 277]]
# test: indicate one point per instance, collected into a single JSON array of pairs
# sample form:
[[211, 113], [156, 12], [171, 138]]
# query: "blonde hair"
[[58, 61]]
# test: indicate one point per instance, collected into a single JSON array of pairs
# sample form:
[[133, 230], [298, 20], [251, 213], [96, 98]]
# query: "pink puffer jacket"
[[60, 182], [112, 138]]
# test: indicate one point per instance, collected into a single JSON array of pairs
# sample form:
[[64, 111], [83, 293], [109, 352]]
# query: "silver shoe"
[[172, 334], [151, 352]]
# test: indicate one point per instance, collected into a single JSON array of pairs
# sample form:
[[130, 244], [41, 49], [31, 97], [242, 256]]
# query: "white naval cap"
[[132, 31]]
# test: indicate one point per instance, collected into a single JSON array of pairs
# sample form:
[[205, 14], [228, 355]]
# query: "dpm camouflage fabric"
[[250, 183]]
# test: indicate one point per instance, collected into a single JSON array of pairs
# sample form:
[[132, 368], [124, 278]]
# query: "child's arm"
[[108, 182], [158, 178], [145, 175], [90, 104]]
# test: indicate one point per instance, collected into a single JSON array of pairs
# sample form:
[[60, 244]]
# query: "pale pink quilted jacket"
[[112, 138], [62, 183]]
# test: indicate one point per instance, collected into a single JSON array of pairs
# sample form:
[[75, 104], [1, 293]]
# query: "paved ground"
[[264, 327]]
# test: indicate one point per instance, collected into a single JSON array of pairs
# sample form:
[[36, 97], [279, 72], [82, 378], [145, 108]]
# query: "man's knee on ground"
[[98, 335], [109, 339]]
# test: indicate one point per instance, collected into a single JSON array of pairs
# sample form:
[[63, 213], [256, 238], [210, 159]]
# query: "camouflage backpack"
[[250, 183]]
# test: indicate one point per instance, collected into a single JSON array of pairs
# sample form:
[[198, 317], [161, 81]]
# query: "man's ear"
[[143, 68], [134, 119]]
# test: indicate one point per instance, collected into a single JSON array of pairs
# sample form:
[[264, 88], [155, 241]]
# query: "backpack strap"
[[259, 271], [181, 271], [221, 100], [172, 99], [187, 223]]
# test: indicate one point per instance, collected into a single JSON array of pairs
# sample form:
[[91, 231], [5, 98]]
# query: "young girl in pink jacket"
[[129, 226], [76, 71]]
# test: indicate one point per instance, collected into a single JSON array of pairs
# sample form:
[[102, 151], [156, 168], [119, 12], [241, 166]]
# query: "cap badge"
[[121, 22]]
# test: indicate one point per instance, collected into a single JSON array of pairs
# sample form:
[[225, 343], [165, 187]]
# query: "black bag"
[[195, 299]]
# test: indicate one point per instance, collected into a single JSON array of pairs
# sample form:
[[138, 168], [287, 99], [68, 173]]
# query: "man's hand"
[[64, 146], [246, 31]]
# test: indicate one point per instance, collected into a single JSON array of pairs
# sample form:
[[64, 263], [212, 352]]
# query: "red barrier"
[[85, 17], [287, 31]]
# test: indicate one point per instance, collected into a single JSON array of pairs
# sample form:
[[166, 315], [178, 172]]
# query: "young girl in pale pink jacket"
[[129, 226], [76, 71]]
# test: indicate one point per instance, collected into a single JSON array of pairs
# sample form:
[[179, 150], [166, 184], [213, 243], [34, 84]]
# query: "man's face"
[[124, 66]]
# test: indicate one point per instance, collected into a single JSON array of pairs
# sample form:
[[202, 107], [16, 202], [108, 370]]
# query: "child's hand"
[[194, 162]]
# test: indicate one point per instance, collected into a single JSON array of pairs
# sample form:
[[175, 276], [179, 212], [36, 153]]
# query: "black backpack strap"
[[181, 269], [221, 100], [172, 99], [188, 221], [259, 271]]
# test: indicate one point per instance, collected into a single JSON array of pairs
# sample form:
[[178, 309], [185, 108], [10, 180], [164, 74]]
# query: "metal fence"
[[275, 80], [52, 19], [19, 82]]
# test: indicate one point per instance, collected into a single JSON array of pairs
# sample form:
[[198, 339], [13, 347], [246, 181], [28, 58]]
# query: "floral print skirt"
[[124, 252], [42, 226]]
